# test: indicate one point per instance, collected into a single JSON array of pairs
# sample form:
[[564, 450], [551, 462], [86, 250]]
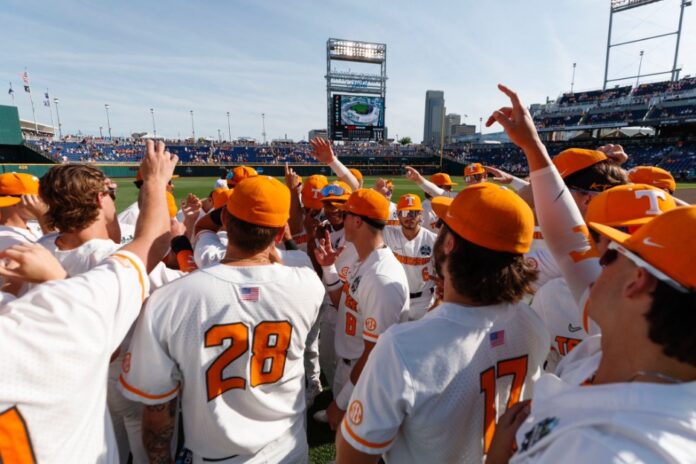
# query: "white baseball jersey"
[[633, 422], [542, 260], [374, 297], [432, 389], [556, 306], [235, 337], [127, 220], [393, 215], [429, 216], [60, 336], [416, 258], [209, 247], [10, 236]]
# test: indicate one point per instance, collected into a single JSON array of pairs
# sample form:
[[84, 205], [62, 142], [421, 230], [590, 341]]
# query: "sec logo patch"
[[370, 324], [355, 412], [125, 365]]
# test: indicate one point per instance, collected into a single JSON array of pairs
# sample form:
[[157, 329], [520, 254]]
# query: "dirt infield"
[[687, 194]]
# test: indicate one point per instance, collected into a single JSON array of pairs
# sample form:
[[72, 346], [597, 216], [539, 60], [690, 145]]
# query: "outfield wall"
[[130, 170]]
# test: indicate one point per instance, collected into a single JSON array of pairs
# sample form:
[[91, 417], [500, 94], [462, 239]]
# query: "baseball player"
[[656, 177], [233, 336], [433, 389], [323, 152], [607, 402], [238, 174], [386, 188], [62, 335], [374, 296], [443, 181], [310, 197], [413, 247]]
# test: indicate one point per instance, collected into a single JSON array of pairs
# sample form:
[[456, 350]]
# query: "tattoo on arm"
[[158, 429]]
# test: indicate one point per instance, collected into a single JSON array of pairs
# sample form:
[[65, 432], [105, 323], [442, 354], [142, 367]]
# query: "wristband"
[[343, 398], [518, 183], [330, 277], [338, 167]]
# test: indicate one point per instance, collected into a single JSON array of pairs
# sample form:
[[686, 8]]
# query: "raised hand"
[[615, 153], [158, 164], [325, 253], [322, 151], [35, 205], [499, 175], [413, 174], [30, 263], [292, 180], [516, 121]]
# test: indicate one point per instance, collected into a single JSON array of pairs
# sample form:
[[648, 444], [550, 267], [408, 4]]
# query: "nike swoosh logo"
[[573, 329], [647, 241]]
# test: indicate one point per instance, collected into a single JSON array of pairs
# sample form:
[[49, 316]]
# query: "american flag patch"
[[497, 338], [250, 293]]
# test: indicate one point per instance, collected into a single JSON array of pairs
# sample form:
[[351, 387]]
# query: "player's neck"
[[240, 258], [450, 295], [13, 219], [366, 244], [410, 234], [72, 240]]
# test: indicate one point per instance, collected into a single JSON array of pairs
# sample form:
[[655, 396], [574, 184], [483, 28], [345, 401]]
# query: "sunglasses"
[[613, 251], [111, 192], [332, 191], [410, 214]]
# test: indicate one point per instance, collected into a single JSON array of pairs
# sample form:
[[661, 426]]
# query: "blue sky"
[[254, 56]]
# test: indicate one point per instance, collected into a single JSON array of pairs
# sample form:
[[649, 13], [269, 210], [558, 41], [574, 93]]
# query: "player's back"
[[237, 336], [464, 364]]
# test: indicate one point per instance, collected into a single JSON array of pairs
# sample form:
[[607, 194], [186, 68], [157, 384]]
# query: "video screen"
[[359, 111]]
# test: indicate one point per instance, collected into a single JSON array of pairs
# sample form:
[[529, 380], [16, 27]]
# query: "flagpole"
[[50, 110], [12, 94]]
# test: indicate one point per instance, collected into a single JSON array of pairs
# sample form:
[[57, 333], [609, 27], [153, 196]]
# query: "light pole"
[[101, 135], [219, 136], [154, 128], [481, 126], [229, 130], [572, 81], [263, 125], [108, 121], [60, 130], [640, 64], [193, 128]]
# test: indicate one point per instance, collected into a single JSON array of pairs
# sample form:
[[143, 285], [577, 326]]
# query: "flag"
[[25, 77], [10, 91], [497, 338], [250, 293], [47, 100], [26, 89]]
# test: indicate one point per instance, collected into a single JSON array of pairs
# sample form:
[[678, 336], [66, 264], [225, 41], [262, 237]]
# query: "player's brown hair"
[[599, 176], [485, 276], [247, 236], [671, 320], [70, 191]]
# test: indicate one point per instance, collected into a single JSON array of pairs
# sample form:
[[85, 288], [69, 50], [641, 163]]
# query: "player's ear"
[[279, 236], [449, 242]]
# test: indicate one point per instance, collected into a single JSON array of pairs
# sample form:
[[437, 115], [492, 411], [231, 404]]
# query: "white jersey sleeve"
[[147, 363], [542, 260], [564, 230], [208, 248], [383, 300], [381, 400]]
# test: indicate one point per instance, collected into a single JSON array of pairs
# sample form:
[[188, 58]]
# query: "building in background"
[[459, 130], [434, 116], [451, 120], [318, 133]]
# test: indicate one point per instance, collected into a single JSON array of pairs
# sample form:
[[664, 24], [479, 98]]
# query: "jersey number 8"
[[270, 343]]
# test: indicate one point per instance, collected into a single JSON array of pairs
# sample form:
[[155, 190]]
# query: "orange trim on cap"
[[411, 261], [141, 280], [393, 222], [135, 391], [361, 440]]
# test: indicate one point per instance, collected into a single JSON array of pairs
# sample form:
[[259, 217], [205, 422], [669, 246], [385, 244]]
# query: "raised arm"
[[323, 153], [427, 186]]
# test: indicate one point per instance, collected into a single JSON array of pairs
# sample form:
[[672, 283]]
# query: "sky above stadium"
[[250, 57]]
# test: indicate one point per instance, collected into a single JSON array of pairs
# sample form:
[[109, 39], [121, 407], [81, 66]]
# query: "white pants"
[[127, 417], [327, 349], [342, 376]]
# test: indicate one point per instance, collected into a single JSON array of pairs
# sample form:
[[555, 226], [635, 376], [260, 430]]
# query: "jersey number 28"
[[269, 349]]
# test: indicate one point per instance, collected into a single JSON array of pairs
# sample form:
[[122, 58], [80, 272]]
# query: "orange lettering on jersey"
[[590, 252], [408, 260], [566, 344], [271, 343], [15, 442], [239, 343], [355, 412], [350, 302], [425, 274], [517, 368], [393, 222], [351, 324]]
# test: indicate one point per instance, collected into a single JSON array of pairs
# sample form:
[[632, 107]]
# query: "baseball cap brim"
[[335, 199], [9, 201], [611, 233], [410, 208], [441, 205]]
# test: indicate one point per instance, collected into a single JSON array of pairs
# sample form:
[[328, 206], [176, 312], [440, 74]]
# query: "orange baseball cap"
[[13, 184], [368, 203], [358, 175], [311, 191], [490, 216], [473, 169], [220, 197], [665, 246], [336, 191], [240, 173], [260, 200], [171, 205], [440, 205], [441, 179], [573, 160], [629, 205], [409, 202], [652, 175]]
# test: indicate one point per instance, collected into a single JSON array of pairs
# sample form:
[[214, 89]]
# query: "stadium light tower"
[[154, 128], [229, 130], [193, 128], [618, 6], [640, 64], [101, 135], [108, 121], [60, 126], [572, 81], [263, 127]]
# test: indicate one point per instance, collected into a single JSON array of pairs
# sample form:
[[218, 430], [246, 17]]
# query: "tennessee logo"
[[370, 324], [355, 412], [343, 275], [125, 364], [531, 262]]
